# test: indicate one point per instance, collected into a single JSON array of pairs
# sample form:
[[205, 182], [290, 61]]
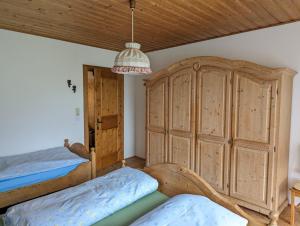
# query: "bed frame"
[[174, 179], [84, 172]]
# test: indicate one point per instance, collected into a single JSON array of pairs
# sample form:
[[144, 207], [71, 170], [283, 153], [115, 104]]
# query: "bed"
[[23, 187], [175, 179], [164, 182]]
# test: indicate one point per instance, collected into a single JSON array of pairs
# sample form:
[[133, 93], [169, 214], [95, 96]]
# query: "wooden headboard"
[[82, 151], [174, 179]]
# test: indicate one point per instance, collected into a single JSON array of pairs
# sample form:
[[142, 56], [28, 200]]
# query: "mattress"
[[132, 212], [23, 181], [26, 169]]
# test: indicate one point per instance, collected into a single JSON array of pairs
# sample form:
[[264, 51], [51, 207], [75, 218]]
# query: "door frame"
[[86, 68]]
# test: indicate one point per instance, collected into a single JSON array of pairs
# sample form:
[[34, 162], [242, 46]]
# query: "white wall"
[[37, 110], [129, 119], [275, 47], [140, 105]]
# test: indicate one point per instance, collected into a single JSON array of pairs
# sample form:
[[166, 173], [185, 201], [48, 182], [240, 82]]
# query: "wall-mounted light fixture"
[[69, 82], [74, 88]]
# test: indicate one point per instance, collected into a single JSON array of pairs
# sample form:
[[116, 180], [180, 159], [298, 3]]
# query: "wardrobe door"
[[157, 108], [213, 126], [182, 117], [254, 111]]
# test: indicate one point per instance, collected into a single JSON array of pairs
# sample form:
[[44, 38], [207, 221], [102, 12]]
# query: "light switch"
[[77, 112]]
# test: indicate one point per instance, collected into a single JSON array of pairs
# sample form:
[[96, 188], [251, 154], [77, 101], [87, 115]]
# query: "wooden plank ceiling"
[[159, 23]]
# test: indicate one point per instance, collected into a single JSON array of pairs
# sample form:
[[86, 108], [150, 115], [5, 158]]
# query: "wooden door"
[[182, 117], [157, 114], [213, 126], [254, 111], [109, 117]]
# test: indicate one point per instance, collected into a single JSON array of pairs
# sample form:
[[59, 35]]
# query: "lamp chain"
[[132, 24]]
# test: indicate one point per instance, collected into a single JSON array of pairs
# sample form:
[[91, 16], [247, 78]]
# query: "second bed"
[[126, 198]]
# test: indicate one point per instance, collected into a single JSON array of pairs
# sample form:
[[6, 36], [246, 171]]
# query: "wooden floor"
[[284, 220], [135, 162]]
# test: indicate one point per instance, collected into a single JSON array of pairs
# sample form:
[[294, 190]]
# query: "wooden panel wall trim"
[[159, 24], [229, 121]]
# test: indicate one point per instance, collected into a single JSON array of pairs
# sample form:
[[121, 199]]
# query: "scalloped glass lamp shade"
[[132, 60]]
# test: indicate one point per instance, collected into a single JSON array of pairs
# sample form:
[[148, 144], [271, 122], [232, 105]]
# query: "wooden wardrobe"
[[227, 120]]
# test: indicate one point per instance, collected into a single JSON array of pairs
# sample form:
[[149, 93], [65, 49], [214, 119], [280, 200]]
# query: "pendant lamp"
[[132, 60]]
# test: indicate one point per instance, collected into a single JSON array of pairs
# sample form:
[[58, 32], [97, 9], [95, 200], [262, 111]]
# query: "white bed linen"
[[37, 162], [190, 210], [84, 204]]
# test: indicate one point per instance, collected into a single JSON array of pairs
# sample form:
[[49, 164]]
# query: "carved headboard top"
[[78, 149]]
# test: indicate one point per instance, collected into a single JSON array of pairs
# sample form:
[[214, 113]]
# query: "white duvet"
[[190, 210], [84, 204]]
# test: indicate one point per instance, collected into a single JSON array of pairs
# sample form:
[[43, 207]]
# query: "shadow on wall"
[[294, 177], [296, 167]]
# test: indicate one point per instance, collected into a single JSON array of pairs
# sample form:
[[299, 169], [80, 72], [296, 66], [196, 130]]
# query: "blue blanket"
[[19, 182], [191, 210], [85, 204]]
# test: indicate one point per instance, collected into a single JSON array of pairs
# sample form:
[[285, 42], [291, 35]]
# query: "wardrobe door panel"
[[157, 114], [156, 147], [250, 175], [213, 126], [254, 112], [253, 109], [212, 160], [157, 104], [181, 150], [181, 117], [181, 100], [212, 101]]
